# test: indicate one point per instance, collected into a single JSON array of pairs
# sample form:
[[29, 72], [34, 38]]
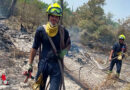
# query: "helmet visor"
[[121, 38]]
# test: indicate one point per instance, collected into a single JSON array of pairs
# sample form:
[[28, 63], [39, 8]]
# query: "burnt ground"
[[86, 69]]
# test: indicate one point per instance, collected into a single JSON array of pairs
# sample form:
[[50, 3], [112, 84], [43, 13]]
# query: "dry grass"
[[100, 61], [127, 87], [18, 54], [107, 83]]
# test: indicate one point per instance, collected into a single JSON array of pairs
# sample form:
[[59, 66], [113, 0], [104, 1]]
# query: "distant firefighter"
[[117, 54]]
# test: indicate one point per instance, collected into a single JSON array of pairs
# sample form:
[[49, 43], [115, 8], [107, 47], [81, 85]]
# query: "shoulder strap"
[[52, 44]]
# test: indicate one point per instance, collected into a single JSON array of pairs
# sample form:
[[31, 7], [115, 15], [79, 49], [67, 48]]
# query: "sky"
[[119, 8]]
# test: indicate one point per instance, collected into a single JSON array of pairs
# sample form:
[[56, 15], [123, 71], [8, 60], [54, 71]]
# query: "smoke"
[[74, 34]]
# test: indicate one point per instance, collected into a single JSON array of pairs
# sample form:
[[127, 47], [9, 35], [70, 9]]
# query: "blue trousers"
[[51, 69], [118, 65]]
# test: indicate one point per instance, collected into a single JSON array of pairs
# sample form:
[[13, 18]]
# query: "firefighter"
[[48, 63], [117, 54]]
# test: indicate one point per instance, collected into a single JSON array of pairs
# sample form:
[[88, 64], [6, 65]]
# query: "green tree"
[[91, 14], [109, 21], [95, 26]]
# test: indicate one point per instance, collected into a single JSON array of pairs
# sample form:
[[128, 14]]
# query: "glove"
[[119, 57], [63, 53], [30, 68]]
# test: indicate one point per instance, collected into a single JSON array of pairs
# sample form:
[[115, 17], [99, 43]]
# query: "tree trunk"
[[62, 12], [11, 8]]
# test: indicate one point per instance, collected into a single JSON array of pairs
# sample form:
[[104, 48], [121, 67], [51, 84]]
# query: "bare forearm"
[[32, 55], [111, 53]]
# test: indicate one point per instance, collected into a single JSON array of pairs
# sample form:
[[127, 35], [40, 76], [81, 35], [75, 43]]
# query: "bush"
[[106, 35]]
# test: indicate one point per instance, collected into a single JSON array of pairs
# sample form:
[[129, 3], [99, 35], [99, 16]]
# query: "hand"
[[30, 68], [28, 73], [62, 53]]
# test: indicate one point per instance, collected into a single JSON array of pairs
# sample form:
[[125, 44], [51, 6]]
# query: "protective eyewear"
[[55, 10], [121, 39]]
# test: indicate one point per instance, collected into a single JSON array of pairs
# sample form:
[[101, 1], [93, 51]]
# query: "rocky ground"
[[85, 69]]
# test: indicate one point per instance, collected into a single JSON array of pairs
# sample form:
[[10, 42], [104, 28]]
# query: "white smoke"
[[74, 34]]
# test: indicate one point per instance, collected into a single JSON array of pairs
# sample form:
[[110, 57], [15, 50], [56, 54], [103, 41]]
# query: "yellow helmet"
[[54, 9], [122, 36]]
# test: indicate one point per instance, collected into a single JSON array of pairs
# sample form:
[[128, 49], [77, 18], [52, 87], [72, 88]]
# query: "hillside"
[[86, 68]]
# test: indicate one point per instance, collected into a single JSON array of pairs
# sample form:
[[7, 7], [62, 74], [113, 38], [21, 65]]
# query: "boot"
[[117, 76]]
